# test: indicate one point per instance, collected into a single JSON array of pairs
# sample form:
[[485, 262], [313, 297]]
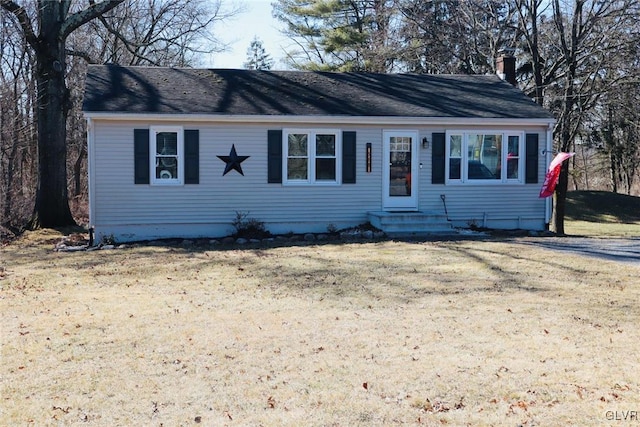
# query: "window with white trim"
[[484, 157], [166, 159], [312, 156]]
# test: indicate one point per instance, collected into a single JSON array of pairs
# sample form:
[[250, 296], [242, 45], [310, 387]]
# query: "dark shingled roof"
[[116, 89]]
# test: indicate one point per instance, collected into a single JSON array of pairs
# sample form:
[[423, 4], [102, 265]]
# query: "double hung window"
[[312, 156], [484, 157], [166, 148]]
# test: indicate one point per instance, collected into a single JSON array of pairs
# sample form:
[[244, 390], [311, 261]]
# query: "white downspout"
[[548, 153], [90, 170]]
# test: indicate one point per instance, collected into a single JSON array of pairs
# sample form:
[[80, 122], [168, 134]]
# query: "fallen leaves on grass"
[[216, 338], [437, 406], [521, 404], [271, 402]]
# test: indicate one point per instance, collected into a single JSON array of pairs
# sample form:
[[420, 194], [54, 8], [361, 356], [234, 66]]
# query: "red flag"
[[551, 179]]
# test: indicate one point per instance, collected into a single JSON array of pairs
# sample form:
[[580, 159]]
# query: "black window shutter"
[[192, 156], [274, 156], [438, 158], [531, 162], [141, 156], [348, 157]]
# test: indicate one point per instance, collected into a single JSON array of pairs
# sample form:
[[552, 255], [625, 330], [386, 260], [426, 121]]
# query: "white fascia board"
[[351, 120]]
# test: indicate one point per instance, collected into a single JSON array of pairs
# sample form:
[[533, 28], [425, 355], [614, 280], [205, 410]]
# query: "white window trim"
[[465, 157], [311, 156], [153, 131]]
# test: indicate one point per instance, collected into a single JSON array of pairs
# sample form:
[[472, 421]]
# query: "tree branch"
[[131, 47], [23, 19], [80, 18], [80, 54]]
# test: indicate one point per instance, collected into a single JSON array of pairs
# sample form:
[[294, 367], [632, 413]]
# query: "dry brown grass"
[[495, 332]]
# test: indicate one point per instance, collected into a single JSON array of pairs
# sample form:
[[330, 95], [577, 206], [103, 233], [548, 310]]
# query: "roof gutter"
[[287, 119]]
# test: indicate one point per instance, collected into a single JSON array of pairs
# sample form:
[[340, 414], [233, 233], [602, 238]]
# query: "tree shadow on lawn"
[[546, 262], [620, 250], [401, 278], [338, 272]]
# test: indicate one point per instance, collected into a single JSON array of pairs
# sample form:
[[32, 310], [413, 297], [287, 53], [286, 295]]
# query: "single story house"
[[177, 152]]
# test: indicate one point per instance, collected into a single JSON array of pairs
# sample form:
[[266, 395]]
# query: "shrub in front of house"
[[249, 228]]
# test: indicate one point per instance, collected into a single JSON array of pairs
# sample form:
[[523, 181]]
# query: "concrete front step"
[[408, 223]]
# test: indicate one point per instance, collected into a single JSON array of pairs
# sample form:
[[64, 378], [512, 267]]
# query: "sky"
[[241, 29]]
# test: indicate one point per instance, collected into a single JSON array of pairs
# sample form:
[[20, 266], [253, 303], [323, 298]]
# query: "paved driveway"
[[618, 249]]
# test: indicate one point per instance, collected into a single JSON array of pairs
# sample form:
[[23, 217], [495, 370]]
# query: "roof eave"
[[286, 119]]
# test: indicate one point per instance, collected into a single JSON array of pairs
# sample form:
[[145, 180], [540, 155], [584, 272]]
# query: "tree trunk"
[[52, 201], [560, 200], [77, 171], [9, 183], [565, 143], [585, 166], [574, 175], [537, 63], [614, 170], [567, 125]]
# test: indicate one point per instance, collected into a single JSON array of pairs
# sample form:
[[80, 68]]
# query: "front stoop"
[[411, 223]]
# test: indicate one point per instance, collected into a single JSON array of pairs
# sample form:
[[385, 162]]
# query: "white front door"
[[400, 169]]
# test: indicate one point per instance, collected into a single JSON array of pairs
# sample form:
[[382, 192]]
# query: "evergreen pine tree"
[[257, 57]]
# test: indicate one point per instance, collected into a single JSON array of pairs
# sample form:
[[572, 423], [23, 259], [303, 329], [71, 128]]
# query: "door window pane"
[[400, 166]]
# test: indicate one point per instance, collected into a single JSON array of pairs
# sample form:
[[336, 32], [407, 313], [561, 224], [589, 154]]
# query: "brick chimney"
[[506, 65]]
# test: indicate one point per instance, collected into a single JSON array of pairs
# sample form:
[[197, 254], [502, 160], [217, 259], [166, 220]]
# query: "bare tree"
[[48, 41], [589, 43], [616, 129], [449, 36], [17, 133], [542, 67], [572, 51], [620, 125], [156, 32]]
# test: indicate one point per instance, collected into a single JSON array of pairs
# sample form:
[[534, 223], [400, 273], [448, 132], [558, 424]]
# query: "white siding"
[[134, 212]]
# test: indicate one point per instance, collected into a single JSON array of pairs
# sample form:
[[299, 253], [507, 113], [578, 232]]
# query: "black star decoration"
[[233, 161]]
